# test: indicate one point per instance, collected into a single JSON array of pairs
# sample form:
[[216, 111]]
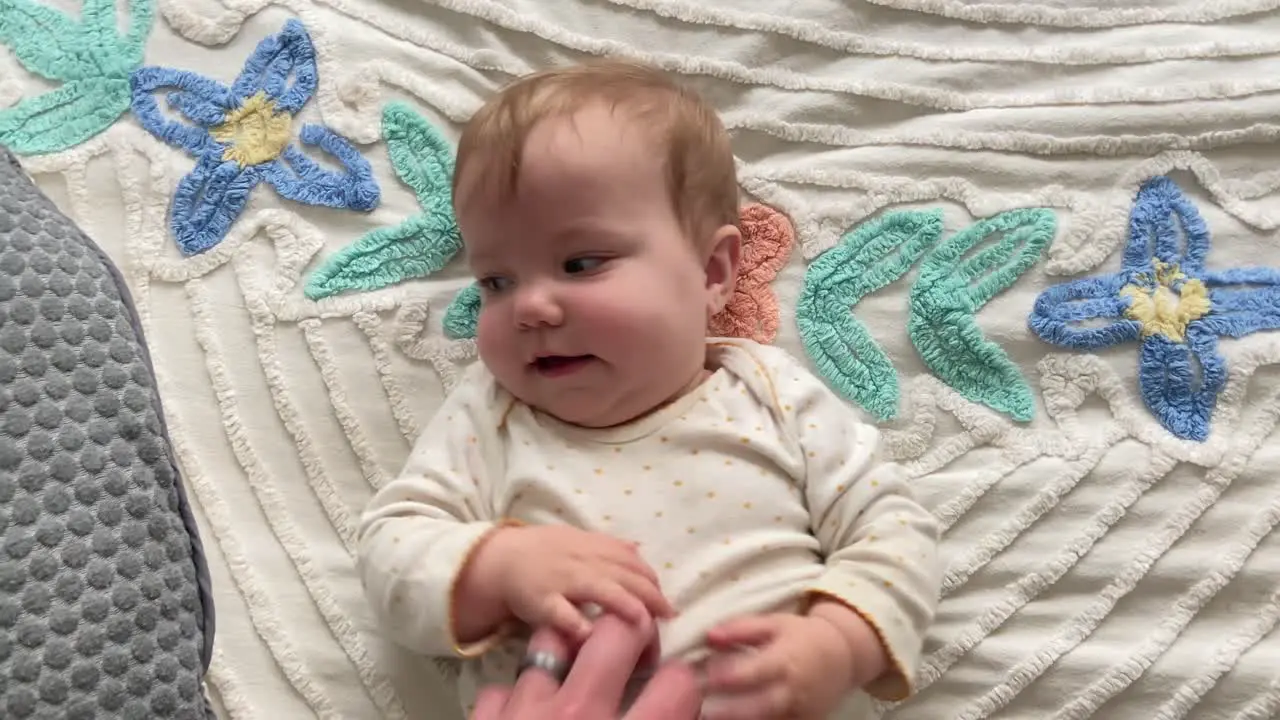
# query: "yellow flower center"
[[254, 133], [1166, 304]]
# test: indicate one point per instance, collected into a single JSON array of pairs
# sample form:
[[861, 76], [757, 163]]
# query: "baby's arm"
[[883, 572], [882, 563], [419, 531]]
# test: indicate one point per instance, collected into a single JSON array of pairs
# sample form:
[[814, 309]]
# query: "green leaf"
[[463, 314], [383, 257], [89, 56], [872, 256], [113, 52], [420, 246], [141, 13], [65, 117], [44, 40], [99, 16], [951, 289], [421, 156]]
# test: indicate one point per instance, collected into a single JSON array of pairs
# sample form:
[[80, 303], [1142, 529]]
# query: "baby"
[[607, 454]]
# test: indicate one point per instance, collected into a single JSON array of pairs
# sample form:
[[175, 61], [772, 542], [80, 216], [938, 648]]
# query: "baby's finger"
[[743, 670], [613, 597], [630, 559], [648, 593], [559, 613], [753, 630]]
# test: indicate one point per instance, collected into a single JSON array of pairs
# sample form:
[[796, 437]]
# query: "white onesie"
[[750, 493]]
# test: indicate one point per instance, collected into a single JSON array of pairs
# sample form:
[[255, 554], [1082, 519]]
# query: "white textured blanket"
[[1087, 398]]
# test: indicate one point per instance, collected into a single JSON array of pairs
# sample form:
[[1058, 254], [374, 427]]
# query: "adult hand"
[[594, 687]]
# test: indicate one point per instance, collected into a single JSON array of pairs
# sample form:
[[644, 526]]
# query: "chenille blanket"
[[1034, 240]]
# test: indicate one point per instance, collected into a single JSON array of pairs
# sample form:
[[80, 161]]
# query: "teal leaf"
[[951, 289], [422, 157], [381, 258], [91, 59], [41, 39], [64, 117], [421, 245], [872, 256], [99, 18], [462, 315]]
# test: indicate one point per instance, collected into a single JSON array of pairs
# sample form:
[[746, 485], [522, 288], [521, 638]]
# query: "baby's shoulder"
[[477, 391], [753, 362], [770, 378], [782, 383]]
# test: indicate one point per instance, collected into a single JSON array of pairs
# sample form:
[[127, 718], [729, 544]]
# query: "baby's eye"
[[494, 283], [583, 264]]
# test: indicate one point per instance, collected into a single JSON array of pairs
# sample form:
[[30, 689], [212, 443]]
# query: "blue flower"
[[1165, 298], [242, 136]]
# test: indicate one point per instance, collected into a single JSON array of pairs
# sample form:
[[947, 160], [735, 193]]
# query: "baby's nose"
[[537, 307]]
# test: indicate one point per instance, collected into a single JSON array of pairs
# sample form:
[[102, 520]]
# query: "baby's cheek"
[[492, 337], [612, 322], [496, 346]]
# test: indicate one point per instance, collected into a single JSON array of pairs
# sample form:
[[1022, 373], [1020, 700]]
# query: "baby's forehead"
[[587, 153], [594, 139]]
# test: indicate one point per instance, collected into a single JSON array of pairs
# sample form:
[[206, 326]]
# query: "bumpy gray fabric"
[[105, 609]]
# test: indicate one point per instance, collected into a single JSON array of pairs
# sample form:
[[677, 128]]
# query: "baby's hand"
[[545, 572], [775, 667]]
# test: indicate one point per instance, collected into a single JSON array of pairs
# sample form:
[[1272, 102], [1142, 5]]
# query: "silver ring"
[[547, 662]]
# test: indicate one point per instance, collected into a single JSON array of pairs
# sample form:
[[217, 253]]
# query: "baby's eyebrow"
[[591, 232], [475, 256]]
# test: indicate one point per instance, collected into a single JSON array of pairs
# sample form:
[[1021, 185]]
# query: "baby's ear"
[[722, 267]]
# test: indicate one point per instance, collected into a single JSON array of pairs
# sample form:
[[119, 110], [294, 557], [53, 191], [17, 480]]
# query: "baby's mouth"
[[558, 365]]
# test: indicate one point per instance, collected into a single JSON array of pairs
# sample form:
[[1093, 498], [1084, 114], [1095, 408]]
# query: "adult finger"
[[771, 701], [490, 703], [672, 694], [536, 686], [605, 664]]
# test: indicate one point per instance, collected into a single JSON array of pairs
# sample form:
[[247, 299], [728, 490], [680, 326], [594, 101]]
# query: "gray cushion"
[[105, 609]]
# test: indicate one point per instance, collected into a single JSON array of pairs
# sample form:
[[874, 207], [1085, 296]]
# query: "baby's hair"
[[701, 177]]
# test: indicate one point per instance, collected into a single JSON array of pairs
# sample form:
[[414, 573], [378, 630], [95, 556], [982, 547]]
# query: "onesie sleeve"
[[880, 544], [419, 530]]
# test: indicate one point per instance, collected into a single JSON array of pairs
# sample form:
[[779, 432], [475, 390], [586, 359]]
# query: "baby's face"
[[595, 302]]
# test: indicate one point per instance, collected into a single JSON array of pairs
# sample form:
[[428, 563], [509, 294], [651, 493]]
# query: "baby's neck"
[[699, 377], [693, 384]]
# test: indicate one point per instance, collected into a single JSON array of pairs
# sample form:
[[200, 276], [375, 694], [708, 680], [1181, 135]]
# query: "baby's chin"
[[594, 409], [593, 415]]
